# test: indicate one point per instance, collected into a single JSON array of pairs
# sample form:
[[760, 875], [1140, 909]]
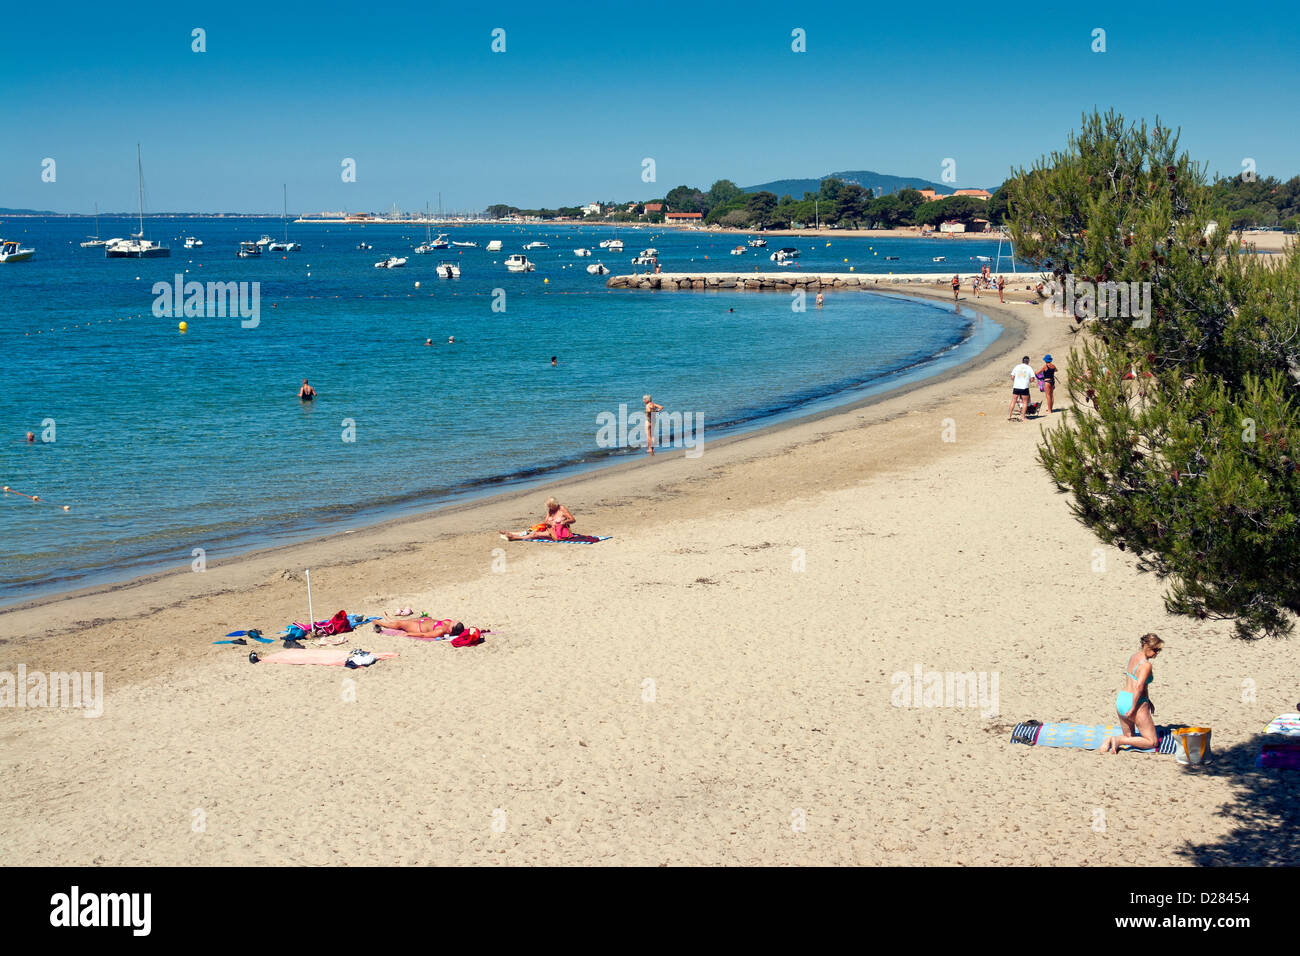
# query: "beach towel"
[[1084, 736], [328, 656], [573, 539], [1279, 757], [1286, 724]]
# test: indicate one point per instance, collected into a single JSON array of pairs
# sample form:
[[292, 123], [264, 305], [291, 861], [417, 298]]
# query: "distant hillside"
[[875, 182], [5, 211]]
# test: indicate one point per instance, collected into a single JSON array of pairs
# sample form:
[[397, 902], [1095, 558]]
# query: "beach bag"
[[338, 624], [1192, 745], [468, 638]]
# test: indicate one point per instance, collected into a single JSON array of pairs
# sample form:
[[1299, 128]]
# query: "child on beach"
[[1132, 705]]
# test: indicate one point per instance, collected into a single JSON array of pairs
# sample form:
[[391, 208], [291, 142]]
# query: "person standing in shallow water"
[[306, 393], [651, 409]]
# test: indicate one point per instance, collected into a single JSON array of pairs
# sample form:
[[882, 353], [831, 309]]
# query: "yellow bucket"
[[1192, 745]]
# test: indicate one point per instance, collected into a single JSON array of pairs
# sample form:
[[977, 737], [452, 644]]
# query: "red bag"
[[468, 638], [338, 624]]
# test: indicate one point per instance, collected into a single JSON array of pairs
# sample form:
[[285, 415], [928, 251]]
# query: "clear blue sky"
[[413, 92]]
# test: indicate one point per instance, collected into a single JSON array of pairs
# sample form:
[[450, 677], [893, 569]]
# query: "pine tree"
[[1189, 462]]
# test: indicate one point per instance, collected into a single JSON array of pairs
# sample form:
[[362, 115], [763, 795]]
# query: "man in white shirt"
[[1021, 376]]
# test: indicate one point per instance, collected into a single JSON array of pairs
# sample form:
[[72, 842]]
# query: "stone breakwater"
[[777, 281]]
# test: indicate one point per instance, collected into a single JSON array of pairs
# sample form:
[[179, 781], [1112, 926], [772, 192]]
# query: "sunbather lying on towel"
[[556, 525], [424, 627]]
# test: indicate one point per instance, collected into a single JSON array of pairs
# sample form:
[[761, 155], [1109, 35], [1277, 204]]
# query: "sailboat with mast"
[[94, 242], [137, 247], [427, 246], [285, 246]]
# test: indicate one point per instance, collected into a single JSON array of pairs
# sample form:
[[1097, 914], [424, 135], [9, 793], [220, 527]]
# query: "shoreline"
[[177, 587], [674, 694], [528, 475]]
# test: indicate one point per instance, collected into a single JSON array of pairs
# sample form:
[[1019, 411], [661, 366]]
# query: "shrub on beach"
[[1181, 442]]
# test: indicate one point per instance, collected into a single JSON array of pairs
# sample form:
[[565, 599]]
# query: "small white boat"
[[598, 269], [615, 245], [11, 252], [137, 247], [465, 245], [939, 259], [392, 262], [247, 250], [784, 255], [284, 247], [758, 243], [192, 242], [494, 245], [448, 270], [537, 245], [581, 253], [265, 241], [94, 242], [364, 246], [439, 243], [423, 249], [604, 243], [643, 260], [738, 251], [518, 262], [984, 258], [650, 253]]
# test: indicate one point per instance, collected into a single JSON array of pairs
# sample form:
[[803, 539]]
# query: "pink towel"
[[318, 655]]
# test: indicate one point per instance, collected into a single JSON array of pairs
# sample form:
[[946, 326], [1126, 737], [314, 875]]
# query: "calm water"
[[165, 442]]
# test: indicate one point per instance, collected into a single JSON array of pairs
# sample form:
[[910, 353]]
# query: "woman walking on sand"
[[1132, 705], [1048, 375], [1002, 285], [651, 409], [956, 287]]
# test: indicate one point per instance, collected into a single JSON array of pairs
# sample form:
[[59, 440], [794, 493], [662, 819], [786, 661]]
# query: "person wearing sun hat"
[[1047, 375]]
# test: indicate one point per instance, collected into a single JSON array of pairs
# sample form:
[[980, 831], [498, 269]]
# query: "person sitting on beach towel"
[[425, 627], [556, 525], [1134, 707]]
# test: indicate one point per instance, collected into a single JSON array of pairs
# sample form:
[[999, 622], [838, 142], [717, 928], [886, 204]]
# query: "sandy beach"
[[716, 684]]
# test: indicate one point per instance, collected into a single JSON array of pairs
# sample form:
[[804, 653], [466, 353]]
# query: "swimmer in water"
[[428, 341], [306, 393], [451, 340], [553, 361], [31, 437]]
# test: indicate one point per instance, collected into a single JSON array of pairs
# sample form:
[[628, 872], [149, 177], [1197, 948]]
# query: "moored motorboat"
[[582, 253], [248, 250], [494, 245], [758, 243], [738, 251], [598, 269], [392, 262], [192, 242], [11, 251], [518, 262], [536, 244], [448, 270]]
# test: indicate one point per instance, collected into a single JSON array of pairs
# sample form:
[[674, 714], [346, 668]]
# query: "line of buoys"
[[35, 498]]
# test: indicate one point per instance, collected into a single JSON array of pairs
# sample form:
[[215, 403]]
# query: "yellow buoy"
[[850, 268], [544, 281], [183, 326]]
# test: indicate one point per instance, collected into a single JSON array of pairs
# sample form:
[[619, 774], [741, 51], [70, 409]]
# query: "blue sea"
[[165, 441]]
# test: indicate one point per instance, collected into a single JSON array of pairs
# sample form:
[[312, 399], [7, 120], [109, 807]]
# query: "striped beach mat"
[[1287, 724], [576, 539], [1083, 736]]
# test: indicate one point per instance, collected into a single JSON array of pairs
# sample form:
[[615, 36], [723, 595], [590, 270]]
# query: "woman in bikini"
[[1133, 705], [554, 526], [1048, 375], [651, 409], [425, 627]]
